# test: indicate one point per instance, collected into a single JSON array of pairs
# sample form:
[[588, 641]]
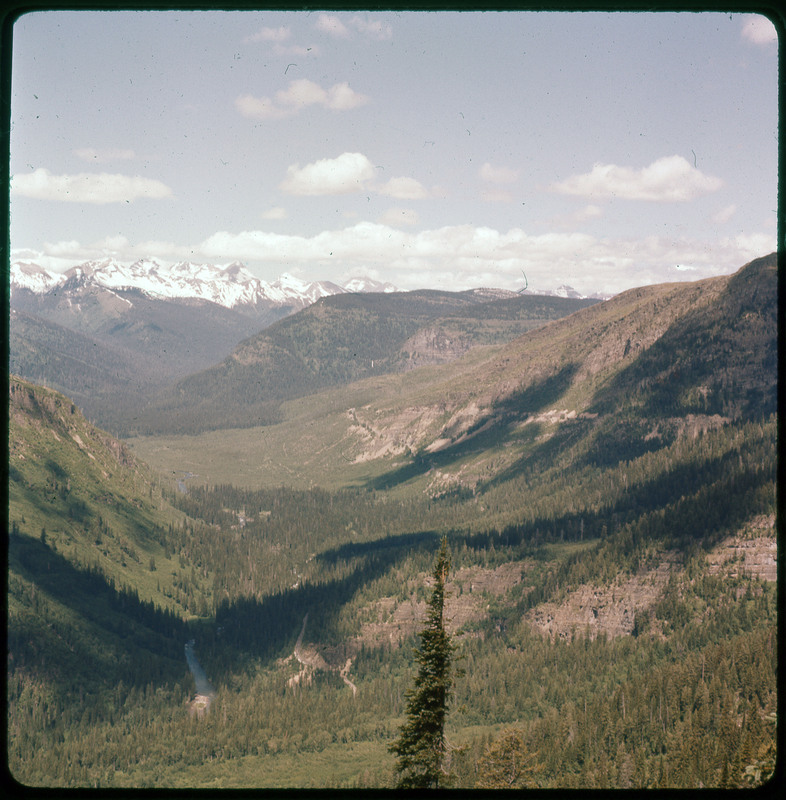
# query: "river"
[[181, 482]]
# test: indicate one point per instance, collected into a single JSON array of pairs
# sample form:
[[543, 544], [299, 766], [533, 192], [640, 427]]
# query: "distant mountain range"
[[610, 382], [112, 334], [605, 475], [232, 286]]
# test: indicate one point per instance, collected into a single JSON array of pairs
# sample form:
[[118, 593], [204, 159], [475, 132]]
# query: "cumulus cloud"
[[278, 41], [260, 107], [403, 189], [99, 156], [669, 179], [348, 173], [277, 212], [332, 25], [345, 174], [452, 257], [60, 256], [498, 174], [757, 29], [298, 95], [87, 187]]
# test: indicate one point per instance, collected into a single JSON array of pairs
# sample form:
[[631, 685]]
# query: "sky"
[[432, 150]]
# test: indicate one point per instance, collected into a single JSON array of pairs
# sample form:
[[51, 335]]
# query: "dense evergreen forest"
[[688, 699], [612, 596]]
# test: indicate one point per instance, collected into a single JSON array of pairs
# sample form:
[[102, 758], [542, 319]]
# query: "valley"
[[604, 474]]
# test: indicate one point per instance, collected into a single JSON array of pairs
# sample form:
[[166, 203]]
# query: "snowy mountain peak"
[[25, 275], [231, 286], [237, 271], [361, 285], [288, 282], [564, 291]]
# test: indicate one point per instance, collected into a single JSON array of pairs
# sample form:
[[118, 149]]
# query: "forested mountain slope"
[[80, 493], [96, 376], [77, 342], [338, 340], [612, 597], [613, 381]]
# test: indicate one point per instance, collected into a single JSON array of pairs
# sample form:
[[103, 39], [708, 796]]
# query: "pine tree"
[[420, 748]]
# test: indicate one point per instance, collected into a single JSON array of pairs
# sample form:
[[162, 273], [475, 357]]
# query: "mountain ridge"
[[607, 486], [604, 374], [230, 286], [341, 339]]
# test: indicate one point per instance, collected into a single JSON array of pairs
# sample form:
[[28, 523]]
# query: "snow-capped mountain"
[[33, 278], [564, 291], [230, 286], [362, 285], [289, 289]]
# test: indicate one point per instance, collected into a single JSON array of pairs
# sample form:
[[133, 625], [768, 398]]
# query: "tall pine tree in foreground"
[[420, 747]]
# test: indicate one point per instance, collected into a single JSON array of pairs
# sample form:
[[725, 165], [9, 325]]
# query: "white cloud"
[[303, 92], [725, 214], [60, 256], [403, 189], [752, 245], [498, 174], [399, 216], [277, 212], [278, 39], [270, 35], [260, 107], [757, 29], [669, 179], [453, 257], [87, 187], [341, 98], [297, 96], [374, 29], [348, 173], [100, 156], [332, 25]]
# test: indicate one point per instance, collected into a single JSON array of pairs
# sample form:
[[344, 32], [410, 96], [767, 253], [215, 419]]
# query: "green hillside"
[[338, 340], [109, 351], [85, 497], [612, 382], [95, 375], [612, 598]]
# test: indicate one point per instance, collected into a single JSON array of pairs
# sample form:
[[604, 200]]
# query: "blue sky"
[[432, 150]]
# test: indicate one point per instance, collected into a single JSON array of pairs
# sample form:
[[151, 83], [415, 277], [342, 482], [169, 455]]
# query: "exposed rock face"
[[390, 620], [611, 610], [433, 346], [749, 552], [590, 610]]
